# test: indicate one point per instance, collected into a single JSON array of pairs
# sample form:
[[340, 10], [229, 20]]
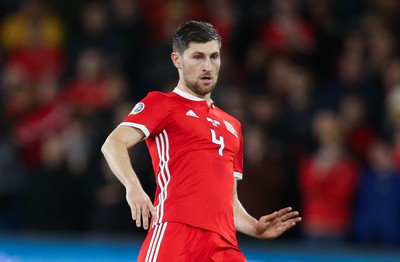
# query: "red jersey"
[[196, 152]]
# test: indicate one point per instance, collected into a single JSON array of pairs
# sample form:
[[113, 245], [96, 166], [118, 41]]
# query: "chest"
[[203, 128]]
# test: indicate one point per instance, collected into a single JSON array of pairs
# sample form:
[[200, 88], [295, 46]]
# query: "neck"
[[186, 89]]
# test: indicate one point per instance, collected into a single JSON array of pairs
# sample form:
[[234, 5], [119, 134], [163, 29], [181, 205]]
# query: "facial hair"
[[198, 88]]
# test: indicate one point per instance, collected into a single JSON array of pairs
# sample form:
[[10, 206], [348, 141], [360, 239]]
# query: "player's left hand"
[[273, 225]]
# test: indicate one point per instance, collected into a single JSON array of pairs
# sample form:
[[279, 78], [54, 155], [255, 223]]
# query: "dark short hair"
[[194, 31]]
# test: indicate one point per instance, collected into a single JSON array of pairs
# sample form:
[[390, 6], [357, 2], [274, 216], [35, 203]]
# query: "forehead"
[[206, 48]]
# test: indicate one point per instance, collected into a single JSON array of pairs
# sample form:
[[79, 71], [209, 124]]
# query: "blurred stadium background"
[[316, 84]]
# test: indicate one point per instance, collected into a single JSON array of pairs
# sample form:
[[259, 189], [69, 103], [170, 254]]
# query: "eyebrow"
[[202, 53]]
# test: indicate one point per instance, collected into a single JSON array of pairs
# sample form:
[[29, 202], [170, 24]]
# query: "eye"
[[197, 57], [215, 56]]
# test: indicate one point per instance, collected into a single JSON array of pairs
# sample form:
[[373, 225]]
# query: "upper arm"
[[150, 115], [127, 135], [235, 195]]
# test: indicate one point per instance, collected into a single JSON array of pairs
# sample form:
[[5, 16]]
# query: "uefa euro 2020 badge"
[[137, 108]]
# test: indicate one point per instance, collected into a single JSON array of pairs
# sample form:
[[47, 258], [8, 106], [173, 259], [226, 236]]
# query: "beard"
[[200, 88]]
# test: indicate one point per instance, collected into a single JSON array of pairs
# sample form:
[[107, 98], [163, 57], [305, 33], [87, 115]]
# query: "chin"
[[206, 91], [203, 89]]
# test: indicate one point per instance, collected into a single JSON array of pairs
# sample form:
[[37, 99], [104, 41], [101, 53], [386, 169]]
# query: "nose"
[[207, 65]]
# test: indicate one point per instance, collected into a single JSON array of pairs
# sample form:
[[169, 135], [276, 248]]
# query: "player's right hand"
[[141, 206]]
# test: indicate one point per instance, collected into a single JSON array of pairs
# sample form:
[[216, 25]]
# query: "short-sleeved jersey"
[[196, 152]]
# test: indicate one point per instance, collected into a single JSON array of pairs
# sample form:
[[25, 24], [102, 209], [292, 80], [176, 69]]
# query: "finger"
[[287, 226], [138, 214], [290, 215], [296, 219], [291, 223], [133, 212], [284, 211], [269, 217], [145, 217], [153, 212]]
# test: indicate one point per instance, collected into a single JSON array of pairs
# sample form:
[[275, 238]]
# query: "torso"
[[195, 150]]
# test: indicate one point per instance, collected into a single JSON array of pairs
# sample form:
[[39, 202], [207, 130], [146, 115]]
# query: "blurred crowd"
[[315, 83]]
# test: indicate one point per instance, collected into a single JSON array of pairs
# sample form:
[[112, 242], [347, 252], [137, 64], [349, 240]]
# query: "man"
[[196, 151]]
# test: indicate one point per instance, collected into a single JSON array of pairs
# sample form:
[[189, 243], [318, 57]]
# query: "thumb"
[[153, 211], [269, 217]]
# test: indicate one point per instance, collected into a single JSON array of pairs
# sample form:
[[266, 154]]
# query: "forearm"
[[115, 150], [117, 157], [244, 222], [116, 153], [268, 226]]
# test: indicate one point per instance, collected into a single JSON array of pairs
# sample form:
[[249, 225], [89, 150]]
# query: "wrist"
[[132, 185]]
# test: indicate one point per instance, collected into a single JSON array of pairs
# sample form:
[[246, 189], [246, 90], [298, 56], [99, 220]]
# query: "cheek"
[[189, 70], [188, 73], [217, 66]]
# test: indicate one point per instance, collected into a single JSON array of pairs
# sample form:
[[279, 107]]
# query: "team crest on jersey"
[[230, 128], [137, 108]]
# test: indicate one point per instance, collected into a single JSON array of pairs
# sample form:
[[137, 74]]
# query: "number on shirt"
[[219, 141]]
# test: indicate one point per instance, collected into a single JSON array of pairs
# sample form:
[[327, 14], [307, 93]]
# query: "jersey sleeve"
[[148, 115], [238, 161]]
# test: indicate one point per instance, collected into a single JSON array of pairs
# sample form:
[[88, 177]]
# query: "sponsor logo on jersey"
[[230, 128], [191, 113], [137, 108]]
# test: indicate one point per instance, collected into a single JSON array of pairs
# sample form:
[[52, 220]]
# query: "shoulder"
[[228, 117], [231, 123], [156, 97]]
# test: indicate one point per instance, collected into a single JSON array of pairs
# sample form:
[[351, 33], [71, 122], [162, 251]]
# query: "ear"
[[176, 59]]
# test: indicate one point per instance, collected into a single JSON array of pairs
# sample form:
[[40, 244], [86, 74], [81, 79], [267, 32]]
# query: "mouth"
[[206, 79]]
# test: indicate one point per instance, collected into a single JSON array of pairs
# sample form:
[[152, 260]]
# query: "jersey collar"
[[190, 96], [187, 95]]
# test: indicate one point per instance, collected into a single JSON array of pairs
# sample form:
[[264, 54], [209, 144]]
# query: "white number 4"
[[219, 141]]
